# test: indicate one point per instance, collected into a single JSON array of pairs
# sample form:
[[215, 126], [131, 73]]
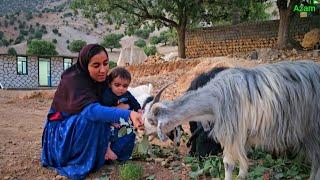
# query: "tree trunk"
[[181, 41], [283, 32], [286, 14]]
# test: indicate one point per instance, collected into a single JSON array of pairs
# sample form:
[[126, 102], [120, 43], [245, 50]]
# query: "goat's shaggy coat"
[[276, 106]]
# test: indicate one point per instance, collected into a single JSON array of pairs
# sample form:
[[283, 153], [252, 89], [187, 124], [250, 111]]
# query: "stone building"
[[32, 72]]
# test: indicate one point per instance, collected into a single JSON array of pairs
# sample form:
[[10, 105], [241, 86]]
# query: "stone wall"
[[9, 78], [225, 40]]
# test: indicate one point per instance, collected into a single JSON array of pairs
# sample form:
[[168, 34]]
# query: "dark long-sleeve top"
[[110, 99]]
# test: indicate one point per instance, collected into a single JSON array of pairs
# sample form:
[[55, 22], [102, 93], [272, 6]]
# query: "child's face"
[[119, 86]]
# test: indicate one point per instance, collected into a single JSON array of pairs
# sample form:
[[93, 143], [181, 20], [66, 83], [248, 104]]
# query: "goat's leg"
[[315, 171], [243, 172], [228, 166]]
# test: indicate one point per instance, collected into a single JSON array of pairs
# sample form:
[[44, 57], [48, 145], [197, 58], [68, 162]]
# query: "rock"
[[6, 177], [311, 38], [59, 177], [294, 51], [254, 55], [170, 56], [131, 56]]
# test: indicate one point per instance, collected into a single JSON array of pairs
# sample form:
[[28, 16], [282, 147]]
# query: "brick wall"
[[225, 40]]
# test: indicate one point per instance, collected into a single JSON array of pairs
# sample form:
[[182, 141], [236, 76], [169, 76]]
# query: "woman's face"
[[98, 67]]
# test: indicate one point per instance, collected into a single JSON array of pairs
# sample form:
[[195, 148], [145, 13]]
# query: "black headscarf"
[[76, 88]]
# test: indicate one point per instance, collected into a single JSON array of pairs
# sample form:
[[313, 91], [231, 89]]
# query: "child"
[[117, 95]]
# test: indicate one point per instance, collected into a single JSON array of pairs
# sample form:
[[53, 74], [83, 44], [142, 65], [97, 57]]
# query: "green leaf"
[[279, 176], [195, 174], [189, 159], [122, 131]]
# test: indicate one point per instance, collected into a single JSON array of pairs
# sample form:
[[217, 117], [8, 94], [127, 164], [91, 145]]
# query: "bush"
[[67, 41], [54, 41], [38, 34], [4, 42], [1, 34], [12, 51], [140, 43], [112, 41], [155, 40], [55, 31], [170, 36], [142, 33], [19, 39], [112, 64], [76, 45], [41, 47], [150, 50], [131, 171]]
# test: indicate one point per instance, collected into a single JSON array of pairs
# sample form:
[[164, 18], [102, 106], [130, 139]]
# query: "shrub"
[[54, 41], [140, 43], [76, 45], [112, 64], [155, 40], [131, 171], [170, 36], [67, 41], [41, 47], [55, 31], [38, 34], [150, 50], [12, 51], [1, 34], [19, 39], [112, 41], [142, 33]]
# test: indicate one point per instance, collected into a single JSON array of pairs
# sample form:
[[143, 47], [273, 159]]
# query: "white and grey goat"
[[275, 106]]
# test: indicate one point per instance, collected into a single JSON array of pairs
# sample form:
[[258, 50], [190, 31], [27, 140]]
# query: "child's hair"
[[119, 72]]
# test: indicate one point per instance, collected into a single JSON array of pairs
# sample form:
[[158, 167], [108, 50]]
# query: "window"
[[22, 65], [67, 62]]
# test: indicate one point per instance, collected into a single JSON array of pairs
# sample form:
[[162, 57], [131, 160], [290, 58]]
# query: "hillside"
[[46, 17]]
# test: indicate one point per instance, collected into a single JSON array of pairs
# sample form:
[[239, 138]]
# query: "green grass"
[[131, 171]]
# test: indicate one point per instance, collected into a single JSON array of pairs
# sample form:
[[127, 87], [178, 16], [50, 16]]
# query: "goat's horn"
[[157, 97]]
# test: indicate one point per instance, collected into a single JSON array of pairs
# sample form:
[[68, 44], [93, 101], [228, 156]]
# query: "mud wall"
[[225, 40]]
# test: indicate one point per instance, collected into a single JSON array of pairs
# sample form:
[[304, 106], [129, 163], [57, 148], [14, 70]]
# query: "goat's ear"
[[158, 108]]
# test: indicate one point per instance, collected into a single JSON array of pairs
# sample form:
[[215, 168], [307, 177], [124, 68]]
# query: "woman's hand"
[[136, 119], [123, 106]]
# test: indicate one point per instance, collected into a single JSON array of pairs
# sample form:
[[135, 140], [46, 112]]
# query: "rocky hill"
[[54, 21]]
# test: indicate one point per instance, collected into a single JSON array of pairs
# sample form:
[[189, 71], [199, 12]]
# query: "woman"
[[76, 135]]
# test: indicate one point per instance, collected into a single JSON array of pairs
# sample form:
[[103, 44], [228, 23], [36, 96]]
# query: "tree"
[[140, 43], [175, 14], [150, 50], [112, 41], [286, 14], [41, 47], [76, 45], [12, 51], [155, 40]]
